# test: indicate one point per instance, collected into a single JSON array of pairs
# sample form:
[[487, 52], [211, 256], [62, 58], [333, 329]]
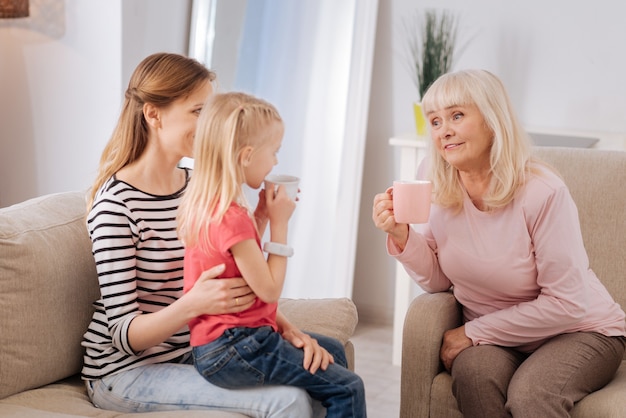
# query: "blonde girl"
[[237, 141]]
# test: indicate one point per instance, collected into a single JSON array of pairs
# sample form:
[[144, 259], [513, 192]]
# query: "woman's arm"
[[114, 232], [419, 259], [207, 297], [416, 252], [382, 215]]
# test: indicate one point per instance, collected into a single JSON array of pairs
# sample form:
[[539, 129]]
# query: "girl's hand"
[[280, 207], [382, 215], [260, 213], [216, 297]]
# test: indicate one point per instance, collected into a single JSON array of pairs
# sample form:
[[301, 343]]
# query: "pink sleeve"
[[419, 259], [562, 264], [236, 226]]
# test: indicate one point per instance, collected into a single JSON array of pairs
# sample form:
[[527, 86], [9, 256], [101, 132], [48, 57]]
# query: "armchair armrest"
[[428, 317]]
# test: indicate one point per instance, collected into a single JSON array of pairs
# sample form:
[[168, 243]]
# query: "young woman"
[[540, 330], [137, 352], [237, 140]]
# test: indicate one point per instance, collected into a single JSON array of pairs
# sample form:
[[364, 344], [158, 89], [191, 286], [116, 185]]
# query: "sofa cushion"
[[608, 402], [47, 285]]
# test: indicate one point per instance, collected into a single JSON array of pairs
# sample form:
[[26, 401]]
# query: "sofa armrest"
[[428, 317]]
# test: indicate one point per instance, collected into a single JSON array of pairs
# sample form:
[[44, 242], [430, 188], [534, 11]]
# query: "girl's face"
[[178, 121], [462, 137], [259, 160]]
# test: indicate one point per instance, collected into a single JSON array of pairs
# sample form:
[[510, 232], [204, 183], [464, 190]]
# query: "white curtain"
[[312, 60]]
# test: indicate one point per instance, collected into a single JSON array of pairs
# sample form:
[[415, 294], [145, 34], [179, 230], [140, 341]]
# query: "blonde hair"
[[159, 79], [227, 124], [510, 152]]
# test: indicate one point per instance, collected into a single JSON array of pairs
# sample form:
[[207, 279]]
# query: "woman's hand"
[[454, 341], [315, 356], [207, 296], [382, 215], [216, 297]]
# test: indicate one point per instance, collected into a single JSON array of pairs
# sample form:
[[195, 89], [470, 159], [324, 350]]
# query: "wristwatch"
[[278, 249]]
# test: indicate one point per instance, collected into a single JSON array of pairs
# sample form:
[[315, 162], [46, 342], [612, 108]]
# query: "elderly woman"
[[540, 330]]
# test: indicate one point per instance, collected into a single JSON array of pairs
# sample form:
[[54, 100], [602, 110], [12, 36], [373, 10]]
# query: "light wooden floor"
[[372, 345]]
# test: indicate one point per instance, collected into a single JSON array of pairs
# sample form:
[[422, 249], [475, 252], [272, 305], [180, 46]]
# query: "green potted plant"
[[431, 41]]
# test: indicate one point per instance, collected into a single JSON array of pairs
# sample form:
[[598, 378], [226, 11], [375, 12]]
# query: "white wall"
[[562, 62], [151, 26], [59, 78], [63, 71]]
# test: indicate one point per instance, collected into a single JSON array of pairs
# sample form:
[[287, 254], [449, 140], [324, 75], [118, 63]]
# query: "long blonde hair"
[[511, 146], [228, 123], [159, 79]]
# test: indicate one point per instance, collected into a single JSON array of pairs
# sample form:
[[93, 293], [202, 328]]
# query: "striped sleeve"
[[139, 261]]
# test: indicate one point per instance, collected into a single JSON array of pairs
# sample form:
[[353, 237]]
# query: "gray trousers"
[[491, 381]]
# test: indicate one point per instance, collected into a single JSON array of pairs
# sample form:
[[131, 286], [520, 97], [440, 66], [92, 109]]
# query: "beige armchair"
[[597, 181]]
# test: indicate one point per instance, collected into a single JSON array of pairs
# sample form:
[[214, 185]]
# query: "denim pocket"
[[225, 367]]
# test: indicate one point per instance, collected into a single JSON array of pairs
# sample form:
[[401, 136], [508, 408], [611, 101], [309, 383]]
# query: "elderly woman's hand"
[[382, 215], [454, 341]]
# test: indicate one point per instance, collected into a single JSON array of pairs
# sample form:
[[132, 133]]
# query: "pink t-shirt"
[[521, 273], [236, 226]]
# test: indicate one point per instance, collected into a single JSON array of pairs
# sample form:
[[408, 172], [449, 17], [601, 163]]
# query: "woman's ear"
[[152, 115], [245, 157]]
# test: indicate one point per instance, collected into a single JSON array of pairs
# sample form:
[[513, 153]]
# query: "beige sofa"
[[597, 182], [47, 285]]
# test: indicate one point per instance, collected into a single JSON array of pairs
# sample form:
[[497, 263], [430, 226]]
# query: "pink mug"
[[411, 201]]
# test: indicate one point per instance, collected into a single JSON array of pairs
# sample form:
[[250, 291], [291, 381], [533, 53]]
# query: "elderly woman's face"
[[462, 137]]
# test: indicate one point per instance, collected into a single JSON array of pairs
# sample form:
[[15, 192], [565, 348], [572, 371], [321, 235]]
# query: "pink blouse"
[[521, 273]]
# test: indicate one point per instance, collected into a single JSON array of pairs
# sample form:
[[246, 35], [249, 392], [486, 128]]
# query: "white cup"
[[289, 182]]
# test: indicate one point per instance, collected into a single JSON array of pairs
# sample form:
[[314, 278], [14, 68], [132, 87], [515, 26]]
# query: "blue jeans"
[[174, 386], [252, 357]]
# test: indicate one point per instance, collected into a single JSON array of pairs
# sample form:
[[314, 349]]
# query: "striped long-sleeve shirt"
[[139, 261]]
